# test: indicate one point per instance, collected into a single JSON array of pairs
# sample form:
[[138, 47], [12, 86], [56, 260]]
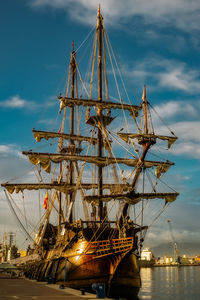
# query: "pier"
[[21, 288]]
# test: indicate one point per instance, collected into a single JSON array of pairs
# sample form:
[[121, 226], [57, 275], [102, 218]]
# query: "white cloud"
[[174, 108], [179, 77], [7, 150], [13, 102], [188, 143], [179, 12], [165, 73], [190, 149], [19, 103], [188, 131], [4, 149], [184, 122]]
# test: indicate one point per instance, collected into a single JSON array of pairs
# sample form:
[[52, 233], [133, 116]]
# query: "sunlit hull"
[[118, 271]]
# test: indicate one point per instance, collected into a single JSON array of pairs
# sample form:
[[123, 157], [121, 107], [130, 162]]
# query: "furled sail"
[[63, 187], [127, 136], [132, 198], [38, 135], [69, 102], [45, 159]]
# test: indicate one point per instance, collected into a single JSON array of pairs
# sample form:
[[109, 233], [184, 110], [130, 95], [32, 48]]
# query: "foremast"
[[146, 138], [146, 145]]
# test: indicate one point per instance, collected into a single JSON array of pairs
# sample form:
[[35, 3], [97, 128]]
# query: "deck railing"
[[110, 247]]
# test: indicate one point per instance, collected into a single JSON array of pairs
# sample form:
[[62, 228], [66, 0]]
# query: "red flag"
[[45, 201], [59, 130]]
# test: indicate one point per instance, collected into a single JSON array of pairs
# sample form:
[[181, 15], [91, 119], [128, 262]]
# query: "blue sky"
[[157, 44]]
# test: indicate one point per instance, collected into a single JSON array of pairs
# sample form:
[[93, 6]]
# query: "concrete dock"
[[20, 288]]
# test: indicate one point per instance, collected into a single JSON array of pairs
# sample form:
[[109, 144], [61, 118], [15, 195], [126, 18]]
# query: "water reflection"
[[177, 283], [147, 279]]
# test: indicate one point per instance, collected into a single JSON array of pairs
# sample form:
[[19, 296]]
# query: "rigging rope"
[[112, 134], [163, 182], [20, 211], [24, 210], [123, 84], [163, 209], [22, 226], [162, 120], [83, 42], [115, 78]]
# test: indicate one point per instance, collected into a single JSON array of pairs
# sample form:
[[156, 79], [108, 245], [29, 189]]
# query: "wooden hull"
[[126, 281], [76, 269]]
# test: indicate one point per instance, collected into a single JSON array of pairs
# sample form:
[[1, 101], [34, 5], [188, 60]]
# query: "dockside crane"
[[175, 245]]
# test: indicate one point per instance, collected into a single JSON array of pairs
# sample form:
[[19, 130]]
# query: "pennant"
[[45, 201]]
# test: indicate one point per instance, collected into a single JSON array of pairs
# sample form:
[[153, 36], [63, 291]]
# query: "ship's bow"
[[126, 281]]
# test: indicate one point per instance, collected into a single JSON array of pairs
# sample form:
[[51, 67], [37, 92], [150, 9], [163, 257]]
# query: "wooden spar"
[[71, 166], [44, 159], [63, 187], [39, 135], [99, 113], [133, 198], [150, 136], [69, 102]]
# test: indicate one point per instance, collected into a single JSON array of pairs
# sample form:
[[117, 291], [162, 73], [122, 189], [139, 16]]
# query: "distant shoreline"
[[168, 265]]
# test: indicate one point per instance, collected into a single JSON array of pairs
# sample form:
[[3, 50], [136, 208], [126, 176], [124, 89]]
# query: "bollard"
[[49, 280], [100, 290], [65, 274], [62, 287], [82, 291]]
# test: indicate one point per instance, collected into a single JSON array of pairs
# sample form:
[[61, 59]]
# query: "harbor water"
[[171, 283]]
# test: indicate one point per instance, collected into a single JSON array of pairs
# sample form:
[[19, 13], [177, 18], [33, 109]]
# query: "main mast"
[[71, 166], [99, 112]]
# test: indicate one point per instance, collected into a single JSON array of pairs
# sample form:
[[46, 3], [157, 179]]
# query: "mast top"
[[99, 19], [144, 94], [99, 11]]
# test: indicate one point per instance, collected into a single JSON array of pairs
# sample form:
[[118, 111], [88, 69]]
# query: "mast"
[[145, 106], [71, 167], [146, 144], [99, 112]]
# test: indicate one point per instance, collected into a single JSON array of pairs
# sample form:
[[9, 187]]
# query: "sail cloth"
[[63, 187], [127, 136], [160, 170], [45, 159], [38, 135], [168, 197], [70, 102], [44, 162], [132, 198]]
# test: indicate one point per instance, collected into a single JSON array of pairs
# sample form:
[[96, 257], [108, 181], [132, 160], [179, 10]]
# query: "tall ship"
[[101, 180]]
